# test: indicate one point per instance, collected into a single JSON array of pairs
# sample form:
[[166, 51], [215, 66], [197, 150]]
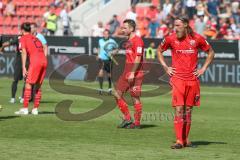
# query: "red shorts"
[[135, 87], [36, 73], [184, 92]]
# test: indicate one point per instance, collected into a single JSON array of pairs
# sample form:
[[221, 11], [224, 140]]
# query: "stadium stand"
[[14, 12], [215, 19]]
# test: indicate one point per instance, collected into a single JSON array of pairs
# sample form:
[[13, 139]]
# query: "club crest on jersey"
[[192, 42]]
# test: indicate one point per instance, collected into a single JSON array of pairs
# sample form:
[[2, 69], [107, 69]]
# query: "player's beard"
[[180, 34]]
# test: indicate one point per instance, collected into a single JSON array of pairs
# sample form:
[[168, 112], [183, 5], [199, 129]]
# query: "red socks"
[[187, 125], [37, 98], [122, 105], [124, 109], [138, 113], [27, 96], [178, 125], [182, 126]]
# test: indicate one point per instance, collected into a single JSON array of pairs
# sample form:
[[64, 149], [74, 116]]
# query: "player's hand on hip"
[[131, 77], [199, 72], [25, 72], [170, 70]]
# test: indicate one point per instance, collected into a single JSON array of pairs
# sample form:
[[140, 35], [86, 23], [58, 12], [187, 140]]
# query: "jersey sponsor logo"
[[187, 51]]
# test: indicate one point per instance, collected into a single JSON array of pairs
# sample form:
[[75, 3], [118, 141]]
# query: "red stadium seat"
[[7, 21]]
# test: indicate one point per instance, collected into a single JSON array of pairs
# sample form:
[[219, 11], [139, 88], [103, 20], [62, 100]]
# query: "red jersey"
[[185, 54], [34, 49], [134, 48]]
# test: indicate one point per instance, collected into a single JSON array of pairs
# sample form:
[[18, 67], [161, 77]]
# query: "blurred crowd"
[[214, 19], [46, 14]]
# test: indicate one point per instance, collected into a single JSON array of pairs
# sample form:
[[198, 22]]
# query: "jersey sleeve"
[[203, 44], [165, 44], [139, 47], [22, 43], [42, 39]]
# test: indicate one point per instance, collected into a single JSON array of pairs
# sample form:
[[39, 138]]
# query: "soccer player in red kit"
[[132, 76], [33, 49], [184, 44]]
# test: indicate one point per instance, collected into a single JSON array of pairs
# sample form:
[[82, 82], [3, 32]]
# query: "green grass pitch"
[[215, 129]]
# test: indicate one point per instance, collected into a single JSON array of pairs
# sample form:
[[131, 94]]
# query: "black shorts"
[[18, 69], [106, 65]]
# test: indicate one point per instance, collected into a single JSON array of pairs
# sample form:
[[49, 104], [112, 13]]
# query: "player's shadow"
[[145, 126], [49, 102], [8, 117], [204, 143], [46, 112]]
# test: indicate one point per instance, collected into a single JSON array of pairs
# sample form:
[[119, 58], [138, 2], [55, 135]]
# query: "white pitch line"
[[220, 93]]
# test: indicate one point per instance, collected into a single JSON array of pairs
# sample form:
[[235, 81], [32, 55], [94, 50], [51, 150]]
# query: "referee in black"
[[17, 67]]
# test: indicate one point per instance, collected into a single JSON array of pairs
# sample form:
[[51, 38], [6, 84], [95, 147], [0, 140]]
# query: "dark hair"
[[131, 23], [185, 20], [34, 24], [107, 30], [26, 27]]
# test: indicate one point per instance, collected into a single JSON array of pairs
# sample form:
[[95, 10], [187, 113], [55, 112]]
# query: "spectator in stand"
[[152, 12], [200, 24], [113, 24], [202, 9], [153, 26], [167, 7], [225, 10], [10, 9], [142, 27], [230, 35], [213, 9], [44, 22], [160, 15], [46, 13], [69, 4], [233, 25], [191, 8], [1, 8], [236, 11], [98, 29], [177, 10], [132, 14], [65, 19], [223, 29], [52, 22], [134, 2], [207, 17], [211, 31], [56, 3]]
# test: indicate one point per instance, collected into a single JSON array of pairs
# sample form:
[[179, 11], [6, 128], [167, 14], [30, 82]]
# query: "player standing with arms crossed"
[[132, 76], [184, 44], [33, 49]]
